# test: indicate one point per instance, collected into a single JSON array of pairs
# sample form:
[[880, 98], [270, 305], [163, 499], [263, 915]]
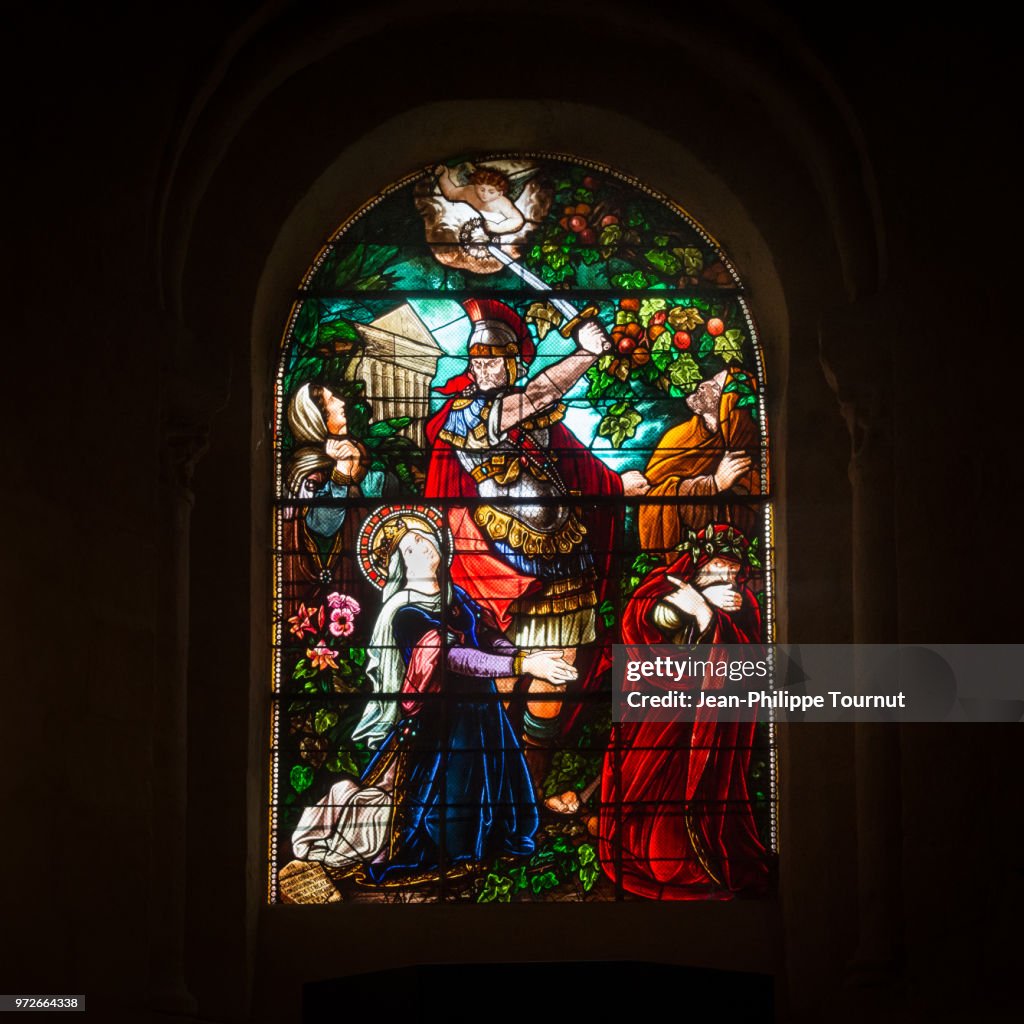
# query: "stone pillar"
[[855, 347], [182, 445]]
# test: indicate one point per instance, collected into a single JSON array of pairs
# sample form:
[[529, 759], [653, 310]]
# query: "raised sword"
[[572, 315]]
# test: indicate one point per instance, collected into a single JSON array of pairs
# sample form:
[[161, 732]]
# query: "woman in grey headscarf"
[[329, 467]]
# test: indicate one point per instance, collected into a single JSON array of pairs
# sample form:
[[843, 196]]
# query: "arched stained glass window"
[[519, 419]]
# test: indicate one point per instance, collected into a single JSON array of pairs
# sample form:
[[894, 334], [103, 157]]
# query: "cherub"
[[487, 193]]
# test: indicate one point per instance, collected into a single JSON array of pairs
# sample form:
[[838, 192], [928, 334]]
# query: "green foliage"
[[619, 423], [571, 769], [664, 260], [301, 777], [631, 280], [641, 566], [496, 889], [729, 345], [556, 863], [360, 268], [753, 553], [324, 720], [604, 384], [588, 866], [389, 427], [742, 383], [304, 670], [607, 612], [648, 307], [693, 261], [343, 762], [684, 373]]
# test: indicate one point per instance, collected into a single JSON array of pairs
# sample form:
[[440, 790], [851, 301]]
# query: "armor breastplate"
[[504, 471]]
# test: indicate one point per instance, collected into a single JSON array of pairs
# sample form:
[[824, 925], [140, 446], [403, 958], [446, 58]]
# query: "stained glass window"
[[519, 416]]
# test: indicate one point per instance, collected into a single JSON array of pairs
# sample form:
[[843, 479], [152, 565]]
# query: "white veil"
[[385, 665]]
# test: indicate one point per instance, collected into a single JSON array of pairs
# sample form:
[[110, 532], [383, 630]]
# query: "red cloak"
[[676, 820], [488, 578]]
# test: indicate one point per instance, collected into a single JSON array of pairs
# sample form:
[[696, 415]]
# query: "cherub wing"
[[517, 182]]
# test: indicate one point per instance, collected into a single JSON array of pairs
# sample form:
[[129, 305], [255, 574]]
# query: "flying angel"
[[470, 206]]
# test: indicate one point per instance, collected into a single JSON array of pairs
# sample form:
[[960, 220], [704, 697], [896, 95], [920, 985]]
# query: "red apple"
[[715, 327], [626, 345], [577, 223], [681, 340]]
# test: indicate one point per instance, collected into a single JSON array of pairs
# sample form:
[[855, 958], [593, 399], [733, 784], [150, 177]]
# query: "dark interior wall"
[[163, 170]]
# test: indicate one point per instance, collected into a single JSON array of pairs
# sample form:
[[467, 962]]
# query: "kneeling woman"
[[449, 780]]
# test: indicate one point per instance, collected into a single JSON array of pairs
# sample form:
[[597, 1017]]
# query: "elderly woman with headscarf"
[[449, 782], [328, 463]]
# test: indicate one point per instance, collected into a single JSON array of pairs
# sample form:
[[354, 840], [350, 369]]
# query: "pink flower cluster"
[[344, 610]]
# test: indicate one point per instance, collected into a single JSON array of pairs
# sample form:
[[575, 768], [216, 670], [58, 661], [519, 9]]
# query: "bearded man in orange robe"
[[708, 458]]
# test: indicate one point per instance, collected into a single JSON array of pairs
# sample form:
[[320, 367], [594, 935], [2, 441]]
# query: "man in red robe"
[[533, 514], [676, 820]]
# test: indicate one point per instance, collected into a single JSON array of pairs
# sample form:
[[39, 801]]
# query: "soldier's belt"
[[517, 535]]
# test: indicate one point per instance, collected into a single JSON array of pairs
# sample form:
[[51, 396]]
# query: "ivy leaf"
[[588, 876], [684, 318], [633, 280], [752, 555], [586, 854], [303, 670], [617, 427], [693, 261], [600, 382], [343, 762], [707, 343], [648, 372], [684, 373], [497, 889], [324, 720], [662, 358], [666, 262], [518, 876], [648, 307], [542, 882], [607, 613], [357, 655], [729, 345], [749, 402], [301, 777]]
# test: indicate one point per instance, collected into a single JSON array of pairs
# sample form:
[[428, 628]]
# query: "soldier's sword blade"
[[567, 309]]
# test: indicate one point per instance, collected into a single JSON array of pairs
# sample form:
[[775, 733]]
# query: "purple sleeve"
[[469, 661]]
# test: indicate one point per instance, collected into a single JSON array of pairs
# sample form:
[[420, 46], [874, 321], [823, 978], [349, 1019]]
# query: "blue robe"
[[462, 784]]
